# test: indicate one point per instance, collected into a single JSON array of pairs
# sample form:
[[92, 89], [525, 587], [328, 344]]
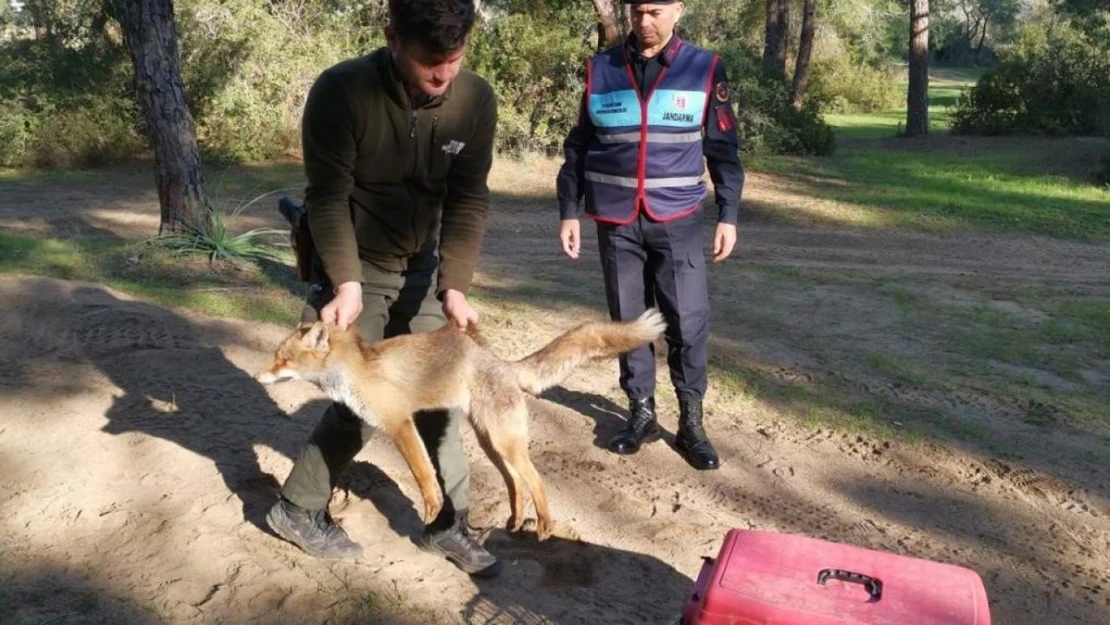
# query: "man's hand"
[[345, 307], [723, 241], [458, 310], [570, 234]]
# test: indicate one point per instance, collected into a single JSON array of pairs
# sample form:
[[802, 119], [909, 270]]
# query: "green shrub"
[[64, 101], [1103, 175], [537, 72], [87, 132], [766, 121], [67, 100], [1052, 81], [840, 84], [18, 128], [247, 67]]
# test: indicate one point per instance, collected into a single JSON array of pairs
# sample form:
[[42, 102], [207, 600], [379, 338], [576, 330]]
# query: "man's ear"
[[316, 339]]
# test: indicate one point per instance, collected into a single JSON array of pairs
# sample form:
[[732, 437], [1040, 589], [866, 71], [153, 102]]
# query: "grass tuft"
[[209, 234]]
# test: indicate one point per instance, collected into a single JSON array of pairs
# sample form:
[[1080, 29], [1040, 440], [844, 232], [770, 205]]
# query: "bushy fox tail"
[[597, 339]]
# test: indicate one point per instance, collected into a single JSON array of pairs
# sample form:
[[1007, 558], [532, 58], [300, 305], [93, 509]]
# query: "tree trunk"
[[152, 40], [970, 25], [805, 51], [982, 40], [608, 32], [917, 96], [42, 17], [774, 44]]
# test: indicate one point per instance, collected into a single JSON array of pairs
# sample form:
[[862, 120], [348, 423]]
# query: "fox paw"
[[546, 529], [432, 506], [542, 528]]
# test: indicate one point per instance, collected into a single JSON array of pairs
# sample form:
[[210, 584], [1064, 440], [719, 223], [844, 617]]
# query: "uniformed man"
[[398, 145], [653, 106]]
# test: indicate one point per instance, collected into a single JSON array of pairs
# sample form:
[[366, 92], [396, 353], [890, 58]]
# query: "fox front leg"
[[412, 449]]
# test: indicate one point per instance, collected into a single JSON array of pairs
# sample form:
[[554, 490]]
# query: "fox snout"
[[276, 372]]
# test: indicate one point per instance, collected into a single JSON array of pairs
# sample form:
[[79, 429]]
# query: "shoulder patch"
[[725, 120], [721, 92]]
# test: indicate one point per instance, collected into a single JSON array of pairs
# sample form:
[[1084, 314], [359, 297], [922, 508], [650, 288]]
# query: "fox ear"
[[316, 338]]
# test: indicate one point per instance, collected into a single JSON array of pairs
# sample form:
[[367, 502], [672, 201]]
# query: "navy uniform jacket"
[[720, 144]]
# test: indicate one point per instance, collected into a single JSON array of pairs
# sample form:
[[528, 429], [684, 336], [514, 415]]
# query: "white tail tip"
[[652, 321]]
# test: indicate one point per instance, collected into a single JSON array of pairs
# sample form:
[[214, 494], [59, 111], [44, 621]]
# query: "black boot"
[[641, 427], [314, 531], [456, 544], [691, 440]]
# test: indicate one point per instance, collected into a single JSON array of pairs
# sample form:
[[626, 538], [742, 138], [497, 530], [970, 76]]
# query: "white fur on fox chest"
[[337, 385]]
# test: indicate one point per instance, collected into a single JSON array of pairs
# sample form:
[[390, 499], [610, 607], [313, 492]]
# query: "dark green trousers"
[[392, 304]]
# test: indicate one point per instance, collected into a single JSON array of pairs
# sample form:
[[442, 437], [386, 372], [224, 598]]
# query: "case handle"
[[873, 585]]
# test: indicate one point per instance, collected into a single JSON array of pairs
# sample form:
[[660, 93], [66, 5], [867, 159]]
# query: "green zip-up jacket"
[[384, 174]]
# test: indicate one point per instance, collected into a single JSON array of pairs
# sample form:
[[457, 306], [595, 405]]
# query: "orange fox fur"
[[387, 382]]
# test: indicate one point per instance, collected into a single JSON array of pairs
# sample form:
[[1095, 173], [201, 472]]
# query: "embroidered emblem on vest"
[[721, 91]]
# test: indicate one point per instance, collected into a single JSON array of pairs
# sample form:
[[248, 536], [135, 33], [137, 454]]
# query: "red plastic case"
[[765, 578]]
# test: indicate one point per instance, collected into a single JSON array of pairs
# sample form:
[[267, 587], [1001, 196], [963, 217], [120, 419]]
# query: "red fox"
[[387, 382]]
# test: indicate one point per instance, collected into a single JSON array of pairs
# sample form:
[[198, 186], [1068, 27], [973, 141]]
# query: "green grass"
[[943, 183], [885, 124], [959, 76], [218, 289], [946, 190], [1071, 339], [905, 300], [899, 369], [955, 359], [229, 187], [1093, 313], [946, 85]]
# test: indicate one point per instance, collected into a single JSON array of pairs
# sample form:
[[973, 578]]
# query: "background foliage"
[[1054, 78], [65, 93]]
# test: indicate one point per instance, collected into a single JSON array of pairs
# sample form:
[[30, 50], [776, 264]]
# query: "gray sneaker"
[[456, 544], [314, 531]]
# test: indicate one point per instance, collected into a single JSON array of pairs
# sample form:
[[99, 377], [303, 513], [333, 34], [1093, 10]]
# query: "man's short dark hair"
[[439, 25]]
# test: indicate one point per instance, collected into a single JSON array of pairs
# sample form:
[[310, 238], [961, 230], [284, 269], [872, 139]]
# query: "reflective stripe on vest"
[[650, 183], [647, 154], [652, 137]]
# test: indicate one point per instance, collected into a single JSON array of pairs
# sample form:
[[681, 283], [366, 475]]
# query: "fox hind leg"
[[486, 421], [511, 442], [513, 482]]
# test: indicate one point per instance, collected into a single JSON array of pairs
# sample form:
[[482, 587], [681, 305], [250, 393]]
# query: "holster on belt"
[[299, 234]]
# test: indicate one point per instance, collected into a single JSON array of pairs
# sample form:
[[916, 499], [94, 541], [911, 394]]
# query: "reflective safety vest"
[[646, 153]]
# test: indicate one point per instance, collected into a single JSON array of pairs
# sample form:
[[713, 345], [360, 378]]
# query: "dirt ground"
[[138, 457]]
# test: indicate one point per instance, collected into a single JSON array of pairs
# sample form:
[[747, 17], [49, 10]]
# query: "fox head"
[[300, 356]]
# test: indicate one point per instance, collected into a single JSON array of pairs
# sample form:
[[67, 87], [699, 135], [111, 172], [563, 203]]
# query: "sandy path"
[[139, 458]]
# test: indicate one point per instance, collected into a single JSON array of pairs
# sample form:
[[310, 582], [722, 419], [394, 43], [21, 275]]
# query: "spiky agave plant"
[[208, 233]]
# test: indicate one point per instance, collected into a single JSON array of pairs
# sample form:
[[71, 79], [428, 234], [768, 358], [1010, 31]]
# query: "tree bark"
[[917, 96], [982, 39], [152, 40], [805, 51], [608, 32], [777, 24]]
